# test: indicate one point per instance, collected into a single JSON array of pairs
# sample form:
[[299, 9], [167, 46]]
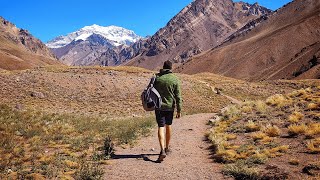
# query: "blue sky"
[[46, 19]]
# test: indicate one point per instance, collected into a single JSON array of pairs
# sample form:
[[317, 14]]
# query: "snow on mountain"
[[117, 35]]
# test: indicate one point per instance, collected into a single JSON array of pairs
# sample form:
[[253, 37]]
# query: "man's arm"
[[178, 99]]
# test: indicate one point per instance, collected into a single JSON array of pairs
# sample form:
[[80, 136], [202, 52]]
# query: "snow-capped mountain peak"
[[115, 34]]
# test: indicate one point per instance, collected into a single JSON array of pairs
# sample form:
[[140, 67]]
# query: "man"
[[168, 86]]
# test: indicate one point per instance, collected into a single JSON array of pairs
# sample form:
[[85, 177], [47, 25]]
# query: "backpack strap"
[[152, 81]]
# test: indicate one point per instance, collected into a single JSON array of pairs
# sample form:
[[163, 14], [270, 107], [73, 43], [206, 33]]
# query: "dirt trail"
[[233, 100], [190, 157]]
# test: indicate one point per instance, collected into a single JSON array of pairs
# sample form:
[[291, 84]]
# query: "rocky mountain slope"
[[20, 50], [85, 46], [284, 45], [202, 25]]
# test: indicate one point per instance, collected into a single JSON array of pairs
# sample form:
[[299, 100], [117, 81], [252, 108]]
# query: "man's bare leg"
[[168, 135], [161, 138]]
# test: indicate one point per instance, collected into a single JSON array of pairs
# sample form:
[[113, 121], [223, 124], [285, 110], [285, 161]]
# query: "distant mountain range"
[[20, 50], [86, 46]]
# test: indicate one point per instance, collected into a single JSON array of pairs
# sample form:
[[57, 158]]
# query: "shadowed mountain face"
[[20, 50], [202, 25], [284, 45]]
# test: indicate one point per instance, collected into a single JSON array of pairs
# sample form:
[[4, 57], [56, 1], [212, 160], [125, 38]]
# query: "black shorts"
[[164, 118]]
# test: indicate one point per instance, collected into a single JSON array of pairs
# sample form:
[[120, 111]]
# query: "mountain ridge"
[[282, 46], [198, 27], [20, 50], [117, 34]]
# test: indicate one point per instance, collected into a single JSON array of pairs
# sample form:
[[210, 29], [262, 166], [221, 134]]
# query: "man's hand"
[[178, 115]]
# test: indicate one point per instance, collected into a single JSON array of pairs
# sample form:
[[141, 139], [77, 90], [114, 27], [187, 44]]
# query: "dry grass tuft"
[[298, 93], [240, 170], [272, 131], [313, 106], [246, 109], [251, 126], [226, 156], [295, 130], [258, 135], [266, 140], [261, 106], [313, 130], [314, 146], [230, 137], [282, 149], [295, 117], [278, 100]]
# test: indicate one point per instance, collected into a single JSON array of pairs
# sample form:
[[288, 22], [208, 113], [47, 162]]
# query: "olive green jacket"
[[168, 86]]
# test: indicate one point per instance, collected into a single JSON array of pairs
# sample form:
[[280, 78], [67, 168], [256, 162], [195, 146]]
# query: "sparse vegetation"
[[252, 127], [240, 171], [314, 146], [266, 128], [61, 145], [295, 130], [278, 100], [295, 117], [272, 131]]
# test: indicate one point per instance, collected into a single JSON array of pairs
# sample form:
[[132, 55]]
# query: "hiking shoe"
[[162, 155], [168, 151]]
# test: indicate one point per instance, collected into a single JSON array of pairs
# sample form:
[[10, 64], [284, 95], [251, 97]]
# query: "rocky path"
[[190, 157], [233, 100]]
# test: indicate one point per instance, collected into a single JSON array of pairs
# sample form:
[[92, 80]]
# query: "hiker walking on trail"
[[168, 86]]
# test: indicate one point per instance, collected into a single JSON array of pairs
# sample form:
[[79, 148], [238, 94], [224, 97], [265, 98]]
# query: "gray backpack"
[[150, 97]]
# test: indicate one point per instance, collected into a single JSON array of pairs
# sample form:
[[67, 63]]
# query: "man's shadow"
[[145, 157]]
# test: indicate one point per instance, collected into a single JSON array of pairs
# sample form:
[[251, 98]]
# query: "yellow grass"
[[230, 137], [246, 109], [258, 135], [251, 126], [295, 117], [283, 148], [226, 155], [294, 162], [313, 106], [272, 131], [261, 106], [298, 93], [278, 100], [71, 164], [294, 130], [314, 146], [313, 129], [266, 140]]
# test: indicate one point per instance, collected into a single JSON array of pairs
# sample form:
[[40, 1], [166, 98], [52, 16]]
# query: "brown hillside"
[[20, 50], [202, 25], [285, 46]]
